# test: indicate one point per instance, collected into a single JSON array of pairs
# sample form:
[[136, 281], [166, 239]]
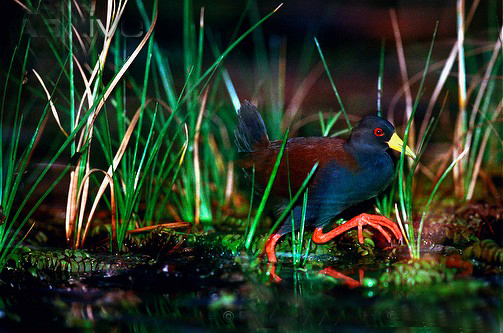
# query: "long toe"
[[385, 222], [377, 222]]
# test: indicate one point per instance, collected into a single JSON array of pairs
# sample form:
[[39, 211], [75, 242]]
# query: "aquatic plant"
[[486, 251], [40, 263]]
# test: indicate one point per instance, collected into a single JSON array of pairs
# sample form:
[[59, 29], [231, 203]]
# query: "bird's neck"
[[365, 154], [375, 168]]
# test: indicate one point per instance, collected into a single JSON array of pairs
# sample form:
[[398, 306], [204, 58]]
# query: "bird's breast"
[[375, 174], [342, 187]]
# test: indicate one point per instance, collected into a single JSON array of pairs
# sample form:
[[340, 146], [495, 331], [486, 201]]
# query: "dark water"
[[207, 293]]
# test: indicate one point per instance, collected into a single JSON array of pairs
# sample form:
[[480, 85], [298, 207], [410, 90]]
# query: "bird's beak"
[[397, 144]]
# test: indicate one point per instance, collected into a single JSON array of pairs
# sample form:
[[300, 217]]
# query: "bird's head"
[[374, 133]]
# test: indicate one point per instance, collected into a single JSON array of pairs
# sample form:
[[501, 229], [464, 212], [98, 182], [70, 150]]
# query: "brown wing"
[[300, 155]]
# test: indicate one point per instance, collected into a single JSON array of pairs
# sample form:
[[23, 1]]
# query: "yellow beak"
[[397, 144]]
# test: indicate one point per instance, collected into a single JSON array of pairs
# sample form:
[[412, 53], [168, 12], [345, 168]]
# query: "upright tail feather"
[[250, 132]]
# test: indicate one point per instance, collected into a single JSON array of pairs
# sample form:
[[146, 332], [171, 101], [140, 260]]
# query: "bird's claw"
[[375, 221]]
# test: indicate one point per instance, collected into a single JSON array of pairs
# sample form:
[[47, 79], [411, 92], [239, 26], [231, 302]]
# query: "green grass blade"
[[300, 240], [295, 198], [162, 62], [267, 191], [348, 123], [252, 194], [405, 185], [71, 76]]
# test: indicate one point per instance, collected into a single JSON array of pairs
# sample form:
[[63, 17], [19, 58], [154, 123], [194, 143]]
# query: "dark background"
[[350, 34]]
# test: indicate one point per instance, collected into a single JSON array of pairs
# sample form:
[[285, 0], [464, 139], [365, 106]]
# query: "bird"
[[349, 172]]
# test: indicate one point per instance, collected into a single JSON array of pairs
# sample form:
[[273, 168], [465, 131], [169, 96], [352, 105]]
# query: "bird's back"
[[299, 157]]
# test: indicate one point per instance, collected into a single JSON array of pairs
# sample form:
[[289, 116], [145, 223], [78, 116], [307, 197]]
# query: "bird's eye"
[[378, 131]]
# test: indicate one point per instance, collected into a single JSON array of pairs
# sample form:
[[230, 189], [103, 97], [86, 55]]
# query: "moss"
[[413, 272], [69, 261]]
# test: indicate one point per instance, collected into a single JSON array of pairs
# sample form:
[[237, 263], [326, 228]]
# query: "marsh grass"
[[155, 157], [404, 210], [13, 160], [466, 162], [15, 169], [166, 145]]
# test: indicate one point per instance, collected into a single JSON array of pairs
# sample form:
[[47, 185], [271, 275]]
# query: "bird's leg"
[[271, 269], [375, 221], [270, 249]]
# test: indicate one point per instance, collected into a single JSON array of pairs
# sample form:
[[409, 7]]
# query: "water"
[[201, 291]]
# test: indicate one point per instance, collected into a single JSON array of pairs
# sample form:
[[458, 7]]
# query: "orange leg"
[[270, 247], [375, 221], [271, 268]]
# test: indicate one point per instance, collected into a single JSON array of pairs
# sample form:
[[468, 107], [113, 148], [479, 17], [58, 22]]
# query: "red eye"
[[378, 132]]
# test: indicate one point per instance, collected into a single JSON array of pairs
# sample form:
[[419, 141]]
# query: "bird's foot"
[[352, 283], [375, 221]]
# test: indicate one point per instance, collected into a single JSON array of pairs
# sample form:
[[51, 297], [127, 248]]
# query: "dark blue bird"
[[349, 172]]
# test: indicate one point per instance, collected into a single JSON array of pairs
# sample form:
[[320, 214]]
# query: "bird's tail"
[[250, 134]]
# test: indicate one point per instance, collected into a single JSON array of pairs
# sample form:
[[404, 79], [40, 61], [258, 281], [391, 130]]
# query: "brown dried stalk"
[[405, 77]]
